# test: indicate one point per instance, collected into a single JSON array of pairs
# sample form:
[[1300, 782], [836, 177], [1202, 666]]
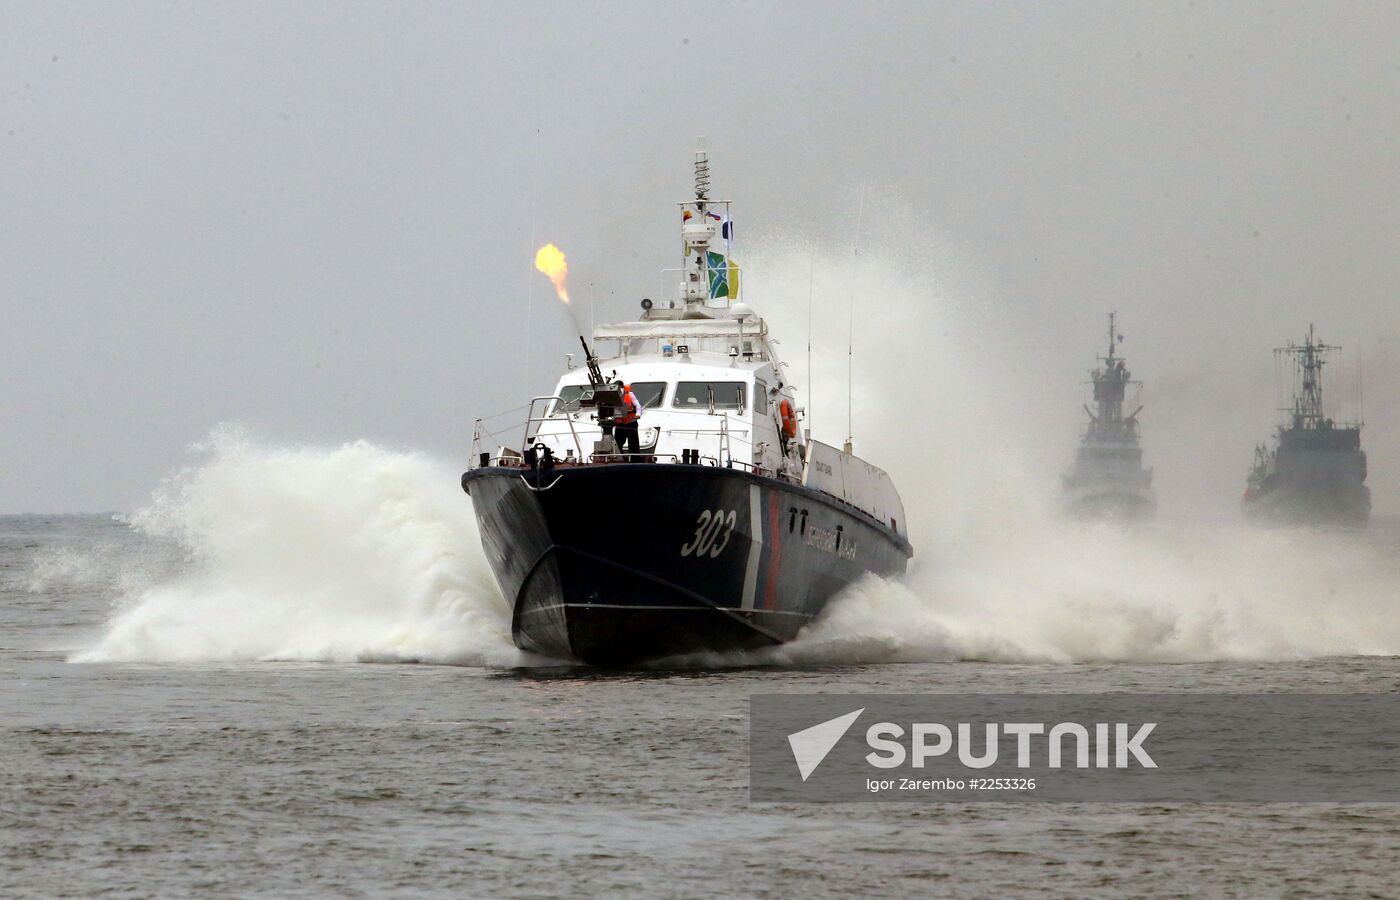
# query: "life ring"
[[789, 418]]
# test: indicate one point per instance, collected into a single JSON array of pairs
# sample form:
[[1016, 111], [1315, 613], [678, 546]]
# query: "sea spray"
[[1170, 593], [950, 400], [350, 553]]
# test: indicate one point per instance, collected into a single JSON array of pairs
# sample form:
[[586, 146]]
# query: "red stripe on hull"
[[775, 552]]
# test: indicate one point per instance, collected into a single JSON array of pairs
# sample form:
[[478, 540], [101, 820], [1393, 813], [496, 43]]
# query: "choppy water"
[[220, 700]]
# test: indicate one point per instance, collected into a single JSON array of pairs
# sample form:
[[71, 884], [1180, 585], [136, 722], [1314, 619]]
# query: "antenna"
[[851, 322], [1360, 386], [530, 302], [530, 279], [811, 268], [702, 172]]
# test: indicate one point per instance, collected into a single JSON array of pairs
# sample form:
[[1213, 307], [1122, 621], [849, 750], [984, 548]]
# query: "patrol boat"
[[731, 529], [1316, 473], [1108, 480]]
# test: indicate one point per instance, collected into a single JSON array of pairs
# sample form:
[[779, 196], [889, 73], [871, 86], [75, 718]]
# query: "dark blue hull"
[[614, 564]]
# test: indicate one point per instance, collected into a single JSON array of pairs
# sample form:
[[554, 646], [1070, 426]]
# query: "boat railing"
[[533, 420], [726, 436], [509, 458], [506, 456], [480, 430]]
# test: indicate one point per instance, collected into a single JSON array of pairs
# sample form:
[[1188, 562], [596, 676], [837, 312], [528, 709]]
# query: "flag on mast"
[[724, 275]]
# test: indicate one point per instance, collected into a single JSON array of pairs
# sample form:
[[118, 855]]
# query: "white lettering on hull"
[[830, 542], [755, 546]]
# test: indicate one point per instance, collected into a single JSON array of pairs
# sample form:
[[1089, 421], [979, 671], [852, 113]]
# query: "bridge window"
[[649, 393], [760, 396], [696, 395], [569, 396]]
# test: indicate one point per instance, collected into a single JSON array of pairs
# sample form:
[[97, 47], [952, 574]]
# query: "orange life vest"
[[789, 418], [629, 414]]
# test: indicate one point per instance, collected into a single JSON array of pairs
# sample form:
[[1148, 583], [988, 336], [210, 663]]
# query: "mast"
[[1112, 336], [1110, 386], [1308, 360], [701, 232]]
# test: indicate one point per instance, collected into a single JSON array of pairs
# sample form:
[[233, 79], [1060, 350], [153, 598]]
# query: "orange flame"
[[550, 260]]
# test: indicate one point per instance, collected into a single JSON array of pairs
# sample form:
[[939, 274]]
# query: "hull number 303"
[[712, 531]]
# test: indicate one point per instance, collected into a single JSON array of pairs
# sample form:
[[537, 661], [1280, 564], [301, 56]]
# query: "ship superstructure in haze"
[[1316, 474], [730, 528], [1108, 479]]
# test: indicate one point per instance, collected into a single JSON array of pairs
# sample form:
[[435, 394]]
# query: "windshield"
[[648, 393], [568, 399], [696, 395]]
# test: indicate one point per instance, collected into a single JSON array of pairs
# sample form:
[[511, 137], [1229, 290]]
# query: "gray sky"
[[318, 219]]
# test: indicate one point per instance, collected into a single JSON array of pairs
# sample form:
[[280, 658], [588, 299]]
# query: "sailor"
[[625, 424], [787, 420]]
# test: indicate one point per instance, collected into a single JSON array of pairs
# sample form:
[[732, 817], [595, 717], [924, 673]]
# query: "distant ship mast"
[[1308, 357], [1110, 386]]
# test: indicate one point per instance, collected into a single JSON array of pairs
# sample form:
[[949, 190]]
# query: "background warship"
[[1108, 480], [1315, 475]]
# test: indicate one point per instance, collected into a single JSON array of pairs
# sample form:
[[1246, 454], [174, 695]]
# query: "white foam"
[[1066, 592], [350, 553]]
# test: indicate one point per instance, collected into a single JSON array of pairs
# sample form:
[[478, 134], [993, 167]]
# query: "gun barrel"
[[595, 377]]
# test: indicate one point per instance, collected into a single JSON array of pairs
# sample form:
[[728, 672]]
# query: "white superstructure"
[[712, 388], [695, 394], [711, 385]]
